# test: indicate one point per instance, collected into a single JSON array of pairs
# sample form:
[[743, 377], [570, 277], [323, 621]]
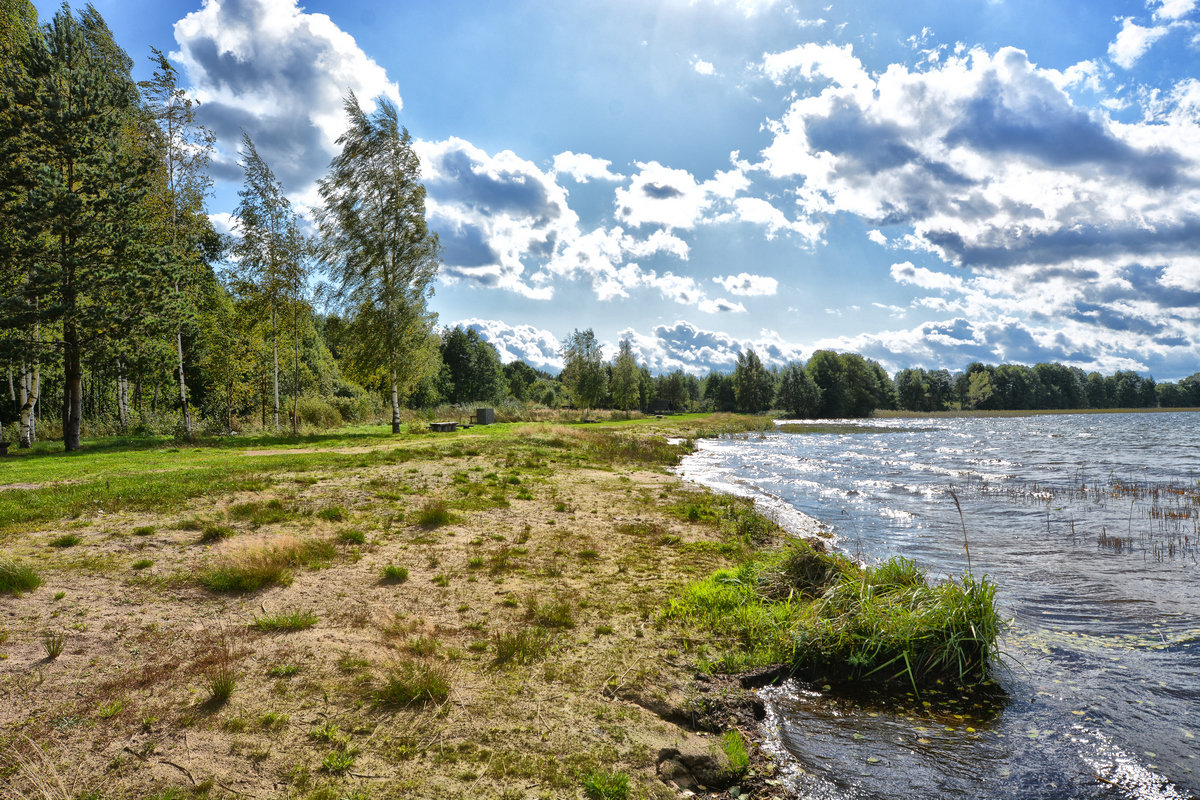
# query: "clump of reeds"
[[220, 669], [821, 611]]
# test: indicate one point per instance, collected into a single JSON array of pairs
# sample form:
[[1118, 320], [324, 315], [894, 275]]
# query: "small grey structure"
[[485, 416]]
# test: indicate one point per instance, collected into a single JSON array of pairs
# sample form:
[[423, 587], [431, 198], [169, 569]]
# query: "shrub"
[[319, 413], [16, 578]]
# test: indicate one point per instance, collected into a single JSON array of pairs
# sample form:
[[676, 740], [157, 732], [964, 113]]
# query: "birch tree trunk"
[[275, 366], [395, 402], [122, 395], [30, 387], [183, 398]]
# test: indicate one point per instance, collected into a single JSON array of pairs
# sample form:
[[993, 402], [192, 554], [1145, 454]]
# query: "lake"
[[1088, 525]]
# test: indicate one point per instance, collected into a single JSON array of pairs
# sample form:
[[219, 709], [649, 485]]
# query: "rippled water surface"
[[1087, 523]]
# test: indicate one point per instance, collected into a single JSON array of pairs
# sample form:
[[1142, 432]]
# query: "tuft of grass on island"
[[513, 610]]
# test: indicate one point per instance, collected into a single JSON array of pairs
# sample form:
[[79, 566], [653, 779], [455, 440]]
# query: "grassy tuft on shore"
[[821, 612]]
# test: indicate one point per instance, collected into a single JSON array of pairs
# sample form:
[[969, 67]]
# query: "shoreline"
[[566, 535]]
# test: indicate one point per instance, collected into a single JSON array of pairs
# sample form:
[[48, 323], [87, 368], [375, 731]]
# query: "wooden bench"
[[443, 427]]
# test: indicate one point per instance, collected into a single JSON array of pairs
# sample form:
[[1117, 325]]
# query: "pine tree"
[[82, 176], [381, 254]]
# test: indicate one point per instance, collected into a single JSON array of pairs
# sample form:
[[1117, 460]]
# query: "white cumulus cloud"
[[279, 73], [748, 285], [583, 167]]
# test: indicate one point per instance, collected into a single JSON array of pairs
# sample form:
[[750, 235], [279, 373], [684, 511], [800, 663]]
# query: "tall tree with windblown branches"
[[379, 248]]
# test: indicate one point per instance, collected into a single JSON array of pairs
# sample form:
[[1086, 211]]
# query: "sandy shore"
[[544, 540]]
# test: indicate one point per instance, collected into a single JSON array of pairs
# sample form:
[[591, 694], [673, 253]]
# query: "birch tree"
[[186, 149], [381, 254], [271, 253]]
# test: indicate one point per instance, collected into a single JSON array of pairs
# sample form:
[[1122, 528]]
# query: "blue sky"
[[926, 183]]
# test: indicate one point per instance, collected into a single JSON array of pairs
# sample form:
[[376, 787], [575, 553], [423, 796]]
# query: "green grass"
[[66, 540], [53, 643], [271, 564], [17, 578], [394, 574], [259, 513], [143, 563], [434, 515], [291, 621], [821, 612], [352, 537], [337, 762], [332, 514], [221, 680], [414, 683], [555, 614], [605, 785], [525, 645], [110, 710], [143, 530], [283, 670], [124, 474], [216, 533], [734, 747]]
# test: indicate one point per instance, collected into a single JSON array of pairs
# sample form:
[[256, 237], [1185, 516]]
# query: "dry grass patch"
[[257, 565]]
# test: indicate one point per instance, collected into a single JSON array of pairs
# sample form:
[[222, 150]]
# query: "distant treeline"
[[834, 384]]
